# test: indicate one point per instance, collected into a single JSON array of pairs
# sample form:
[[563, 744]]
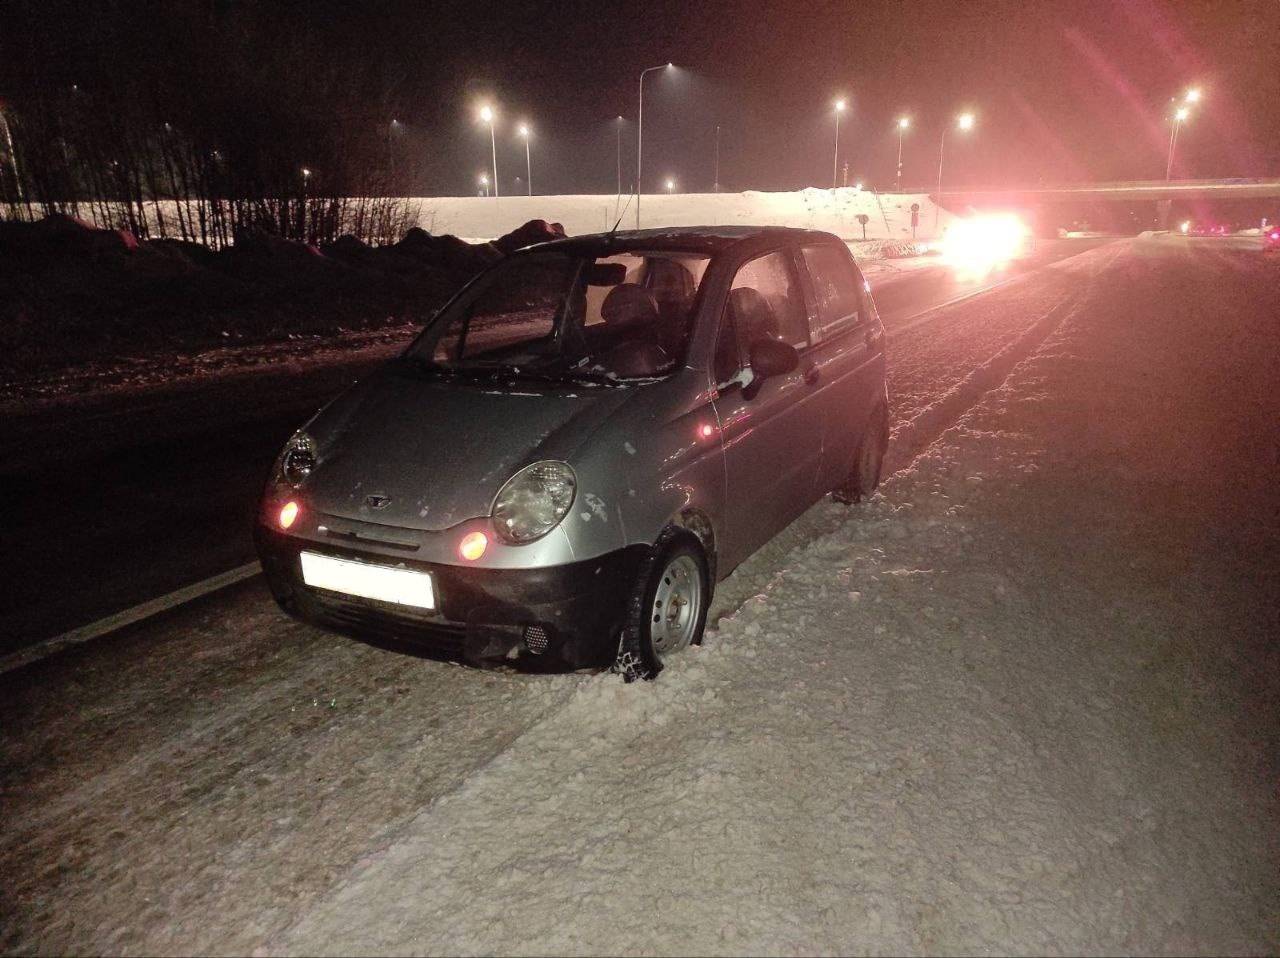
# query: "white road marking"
[[916, 319], [112, 623]]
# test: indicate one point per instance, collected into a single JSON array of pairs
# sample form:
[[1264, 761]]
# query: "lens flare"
[[976, 246]]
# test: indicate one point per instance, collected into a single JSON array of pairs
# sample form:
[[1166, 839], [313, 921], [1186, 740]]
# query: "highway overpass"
[[1153, 190]]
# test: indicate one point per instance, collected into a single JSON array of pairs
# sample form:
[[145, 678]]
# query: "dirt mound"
[[70, 292]]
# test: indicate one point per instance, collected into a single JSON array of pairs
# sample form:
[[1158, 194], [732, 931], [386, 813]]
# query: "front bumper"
[[564, 616]]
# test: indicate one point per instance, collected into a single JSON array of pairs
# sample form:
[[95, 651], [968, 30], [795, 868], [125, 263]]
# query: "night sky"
[[1063, 91]]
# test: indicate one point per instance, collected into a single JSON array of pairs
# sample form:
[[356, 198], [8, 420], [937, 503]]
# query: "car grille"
[[388, 621]]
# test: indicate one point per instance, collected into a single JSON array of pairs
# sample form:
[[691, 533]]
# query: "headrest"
[[753, 316], [630, 304]]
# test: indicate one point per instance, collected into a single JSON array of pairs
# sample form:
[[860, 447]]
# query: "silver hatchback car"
[[581, 443]]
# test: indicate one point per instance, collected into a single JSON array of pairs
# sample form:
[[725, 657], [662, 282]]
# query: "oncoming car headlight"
[[533, 501], [298, 459]]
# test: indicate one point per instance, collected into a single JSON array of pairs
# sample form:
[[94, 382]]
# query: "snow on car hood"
[[438, 451]]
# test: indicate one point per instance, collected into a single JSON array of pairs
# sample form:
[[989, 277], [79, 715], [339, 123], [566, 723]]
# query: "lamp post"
[[640, 138], [484, 183], [1180, 115], [670, 185], [391, 148], [528, 167], [964, 123], [904, 124], [716, 182], [835, 158], [487, 115], [619, 132]]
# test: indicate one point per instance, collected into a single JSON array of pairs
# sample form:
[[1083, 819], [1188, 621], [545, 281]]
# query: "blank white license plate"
[[383, 583]]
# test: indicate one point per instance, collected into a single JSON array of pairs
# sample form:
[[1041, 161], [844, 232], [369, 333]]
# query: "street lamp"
[[716, 179], [640, 137], [835, 159], [904, 123], [528, 167], [1180, 115], [487, 116], [1193, 95], [484, 183], [619, 131], [964, 123], [670, 185]]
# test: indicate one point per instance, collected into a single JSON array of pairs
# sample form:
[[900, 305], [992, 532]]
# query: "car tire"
[[667, 607], [865, 477]]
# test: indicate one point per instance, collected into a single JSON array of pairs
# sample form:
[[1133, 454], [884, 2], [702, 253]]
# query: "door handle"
[[812, 374]]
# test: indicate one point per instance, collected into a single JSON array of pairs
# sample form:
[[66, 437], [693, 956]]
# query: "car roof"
[[693, 239]]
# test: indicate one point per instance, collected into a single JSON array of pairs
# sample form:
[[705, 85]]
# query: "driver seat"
[[631, 317]]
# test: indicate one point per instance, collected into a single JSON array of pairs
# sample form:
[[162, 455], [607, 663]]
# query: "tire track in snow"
[[913, 436]]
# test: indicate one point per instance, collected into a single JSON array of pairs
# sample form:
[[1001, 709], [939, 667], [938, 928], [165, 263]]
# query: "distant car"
[[586, 439], [1271, 238]]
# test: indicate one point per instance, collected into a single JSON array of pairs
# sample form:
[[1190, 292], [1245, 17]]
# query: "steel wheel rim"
[[677, 606]]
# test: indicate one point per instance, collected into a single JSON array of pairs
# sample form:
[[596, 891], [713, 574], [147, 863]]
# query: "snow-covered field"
[[836, 211], [482, 218], [1024, 701]]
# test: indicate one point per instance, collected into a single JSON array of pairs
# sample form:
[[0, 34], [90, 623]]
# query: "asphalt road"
[[112, 501]]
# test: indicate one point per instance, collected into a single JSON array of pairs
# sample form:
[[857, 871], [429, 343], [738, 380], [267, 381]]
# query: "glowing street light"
[[670, 185], [487, 116], [523, 130], [640, 136], [964, 123], [904, 124], [1193, 95], [484, 183], [839, 106]]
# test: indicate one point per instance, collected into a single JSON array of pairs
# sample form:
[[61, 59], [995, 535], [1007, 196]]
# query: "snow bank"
[[836, 211]]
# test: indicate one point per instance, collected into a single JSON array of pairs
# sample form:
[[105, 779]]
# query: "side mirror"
[[769, 358]]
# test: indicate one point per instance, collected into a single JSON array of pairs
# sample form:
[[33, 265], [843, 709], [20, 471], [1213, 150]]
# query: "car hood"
[[435, 452]]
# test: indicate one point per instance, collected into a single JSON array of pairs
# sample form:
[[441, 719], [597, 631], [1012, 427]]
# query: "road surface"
[[220, 779]]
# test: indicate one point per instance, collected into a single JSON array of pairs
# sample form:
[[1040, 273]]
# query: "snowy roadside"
[[1024, 701]]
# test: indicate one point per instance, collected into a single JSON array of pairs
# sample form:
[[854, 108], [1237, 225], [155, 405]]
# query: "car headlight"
[[533, 501], [298, 460]]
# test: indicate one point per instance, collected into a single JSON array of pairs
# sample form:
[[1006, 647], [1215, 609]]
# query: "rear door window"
[[838, 303]]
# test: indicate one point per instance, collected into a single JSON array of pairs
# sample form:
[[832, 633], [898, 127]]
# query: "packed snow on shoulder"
[[1008, 705]]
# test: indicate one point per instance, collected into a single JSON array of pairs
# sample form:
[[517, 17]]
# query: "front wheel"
[[866, 468], [667, 609]]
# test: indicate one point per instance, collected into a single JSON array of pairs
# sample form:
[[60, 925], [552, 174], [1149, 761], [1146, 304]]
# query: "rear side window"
[[764, 301], [835, 287]]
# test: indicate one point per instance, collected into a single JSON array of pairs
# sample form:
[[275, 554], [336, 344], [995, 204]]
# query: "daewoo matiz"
[[581, 443]]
